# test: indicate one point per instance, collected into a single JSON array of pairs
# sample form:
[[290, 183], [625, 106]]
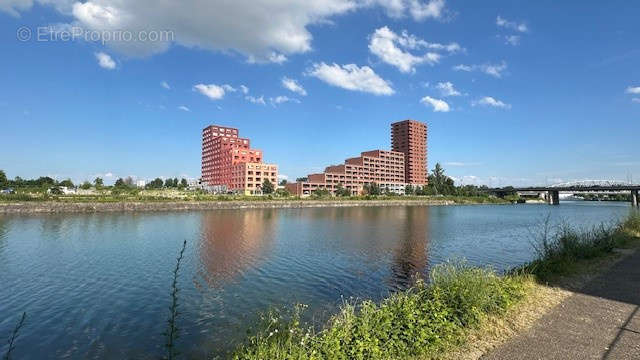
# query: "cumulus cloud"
[[393, 49], [351, 77], [437, 104], [184, 108], [418, 10], [221, 25], [165, 85], [512, 25], [490, 101], [212, 91], [292, 84], [633, 90], [447, 89], [513, 40], [244, 89], [282, 99], [495, 70], [105, 61], [256, 100]]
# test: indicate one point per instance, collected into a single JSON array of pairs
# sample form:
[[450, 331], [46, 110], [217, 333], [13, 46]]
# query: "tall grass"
[[423, 320], [14, 336], [172, 332], [561, 251]]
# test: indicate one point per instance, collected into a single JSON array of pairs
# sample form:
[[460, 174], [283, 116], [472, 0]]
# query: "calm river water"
[[97, 285]]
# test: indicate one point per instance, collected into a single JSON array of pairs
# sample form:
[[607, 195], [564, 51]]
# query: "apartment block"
[[410, 138], [229, 161], [390, 170], [385, 168]]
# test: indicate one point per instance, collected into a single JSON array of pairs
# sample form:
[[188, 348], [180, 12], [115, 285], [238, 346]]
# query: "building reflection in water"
[[410, 255], [233, 241]]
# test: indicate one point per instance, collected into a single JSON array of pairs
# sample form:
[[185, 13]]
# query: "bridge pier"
[[553, 197], [634, 198]]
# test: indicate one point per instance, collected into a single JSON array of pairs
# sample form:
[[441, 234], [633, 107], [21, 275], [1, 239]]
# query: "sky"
[[513, 92]]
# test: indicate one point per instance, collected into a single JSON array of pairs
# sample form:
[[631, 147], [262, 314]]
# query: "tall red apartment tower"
[[410, 137], [229, 161]]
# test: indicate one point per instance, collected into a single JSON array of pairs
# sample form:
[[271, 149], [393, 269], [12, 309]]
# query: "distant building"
[[141, 183], [228, 160], [390, 170], [410, 138]]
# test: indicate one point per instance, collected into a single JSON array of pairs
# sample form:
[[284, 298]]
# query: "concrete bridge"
[[593, 186]]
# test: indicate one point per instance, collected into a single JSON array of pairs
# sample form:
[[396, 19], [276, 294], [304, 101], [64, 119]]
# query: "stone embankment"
[[89, 207]]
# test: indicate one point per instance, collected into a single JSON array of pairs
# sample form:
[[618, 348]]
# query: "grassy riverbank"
[[438, 318]]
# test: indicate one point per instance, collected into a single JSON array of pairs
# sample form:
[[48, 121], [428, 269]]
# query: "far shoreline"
[[50, 207]]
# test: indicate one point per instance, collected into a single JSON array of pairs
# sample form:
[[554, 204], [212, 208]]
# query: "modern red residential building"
[[387, 169], [410, 138], [229, 162]]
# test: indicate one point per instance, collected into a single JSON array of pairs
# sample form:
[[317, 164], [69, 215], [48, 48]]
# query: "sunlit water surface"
[[97, 285]]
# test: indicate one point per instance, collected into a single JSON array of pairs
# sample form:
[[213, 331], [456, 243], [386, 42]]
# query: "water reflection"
[[233, 241], [410, 255]]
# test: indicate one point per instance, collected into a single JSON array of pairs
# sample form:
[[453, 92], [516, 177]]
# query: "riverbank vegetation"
[[434, 318]]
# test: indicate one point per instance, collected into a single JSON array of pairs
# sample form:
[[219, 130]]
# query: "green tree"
[[372, 189], [302, 179], [3, 179], [283, 193], [184, 183], [67, 183], [321, 193], [342, 191], [85, 185], [168, 183], [98, 182], [175, 182], [119, 183], [45, 181], [409, 190], [155, 184], [283, 182], [267, 187]]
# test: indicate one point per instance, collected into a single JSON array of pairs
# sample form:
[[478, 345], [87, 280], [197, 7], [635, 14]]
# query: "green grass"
[[565, 250], [424, 320], [434, 317]]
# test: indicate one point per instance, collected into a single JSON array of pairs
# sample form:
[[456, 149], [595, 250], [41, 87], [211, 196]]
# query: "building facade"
[[229, 163], [387, 169], [410, 138]]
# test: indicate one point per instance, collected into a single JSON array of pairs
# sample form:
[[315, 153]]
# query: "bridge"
[[552, 192]]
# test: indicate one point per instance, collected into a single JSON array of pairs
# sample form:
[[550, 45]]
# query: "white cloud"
[[418, 10], [521, 27], [184, 108], [495, 70], [228, 88], [220, 25], [212, 91], [437, 104], [633, 90], [512, 40], [489, 101], [282, 99], [244, 89], [105, 61], [293, 85], [256, 100], [393, 49], [447, 89], [165, 85], [351, 77]]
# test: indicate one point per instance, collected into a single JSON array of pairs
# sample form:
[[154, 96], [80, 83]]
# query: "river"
[[97, 285]]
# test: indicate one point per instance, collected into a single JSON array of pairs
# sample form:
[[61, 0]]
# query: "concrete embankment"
[[88, 207]]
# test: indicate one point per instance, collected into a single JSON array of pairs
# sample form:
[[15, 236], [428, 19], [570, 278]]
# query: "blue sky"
[[513, 92]]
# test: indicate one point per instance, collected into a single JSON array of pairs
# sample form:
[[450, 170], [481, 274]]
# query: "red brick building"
[[410, 138], [228, 161], [387, 169]]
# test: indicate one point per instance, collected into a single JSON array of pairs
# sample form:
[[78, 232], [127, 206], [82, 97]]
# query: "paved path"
[[602, 321]]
